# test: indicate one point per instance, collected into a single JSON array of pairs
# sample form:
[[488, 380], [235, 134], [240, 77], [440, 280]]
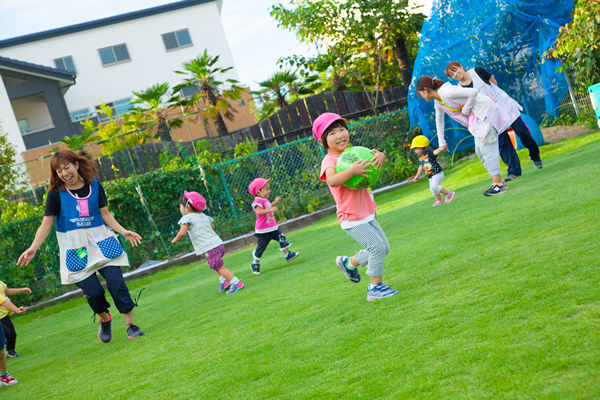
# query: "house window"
[[23, 126], [241, 102], [123, 106], [176, 40], [118, 108], [80, 115], [66, 64], [188, 91], [114, 55]]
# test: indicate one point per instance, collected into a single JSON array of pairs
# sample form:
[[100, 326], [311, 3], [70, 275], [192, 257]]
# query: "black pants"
[[94, 292], [522, 131], [9, 333], [265, 238], [508, 154]]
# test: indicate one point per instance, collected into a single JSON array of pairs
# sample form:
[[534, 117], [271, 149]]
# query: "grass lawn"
[[499, 298]]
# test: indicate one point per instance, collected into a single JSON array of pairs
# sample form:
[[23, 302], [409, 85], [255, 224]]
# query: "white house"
[[114, 56]]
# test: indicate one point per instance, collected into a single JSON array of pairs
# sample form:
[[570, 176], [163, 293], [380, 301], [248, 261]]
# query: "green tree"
[[79, 142], [12, 178], [278, 91], [151, 111], [376, 28], [578, 43], [202, 74]]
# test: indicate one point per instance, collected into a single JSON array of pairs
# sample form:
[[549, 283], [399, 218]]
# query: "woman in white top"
[[477, 113]]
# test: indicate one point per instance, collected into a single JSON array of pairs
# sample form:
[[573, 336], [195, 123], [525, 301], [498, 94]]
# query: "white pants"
[[435, 183], [488, 152]]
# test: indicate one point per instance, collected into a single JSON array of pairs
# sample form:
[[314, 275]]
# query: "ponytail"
[[427, 82]]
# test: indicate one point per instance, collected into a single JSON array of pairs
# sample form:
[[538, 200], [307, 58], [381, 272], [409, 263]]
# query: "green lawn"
[[499, 298]]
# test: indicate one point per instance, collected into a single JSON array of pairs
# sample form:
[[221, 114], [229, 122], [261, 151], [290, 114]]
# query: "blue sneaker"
[[255, 268], [380, 291], [290, 255], [223, 286], [236, 287], [351, 274]]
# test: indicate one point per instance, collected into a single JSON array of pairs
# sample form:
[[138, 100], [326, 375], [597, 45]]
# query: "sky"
[[254, 39]]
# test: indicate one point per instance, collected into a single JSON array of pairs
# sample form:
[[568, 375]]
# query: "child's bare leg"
[[376, 279], [437, 197], [128, 318], [225, 273], [444, 191], [497, 179], [2, 362], [354, 262]]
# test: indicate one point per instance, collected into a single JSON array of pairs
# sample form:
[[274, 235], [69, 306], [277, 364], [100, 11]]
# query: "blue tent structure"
[[506, 37]]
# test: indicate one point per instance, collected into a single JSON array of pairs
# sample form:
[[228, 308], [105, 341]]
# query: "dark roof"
[[34, 37], [29, 68]]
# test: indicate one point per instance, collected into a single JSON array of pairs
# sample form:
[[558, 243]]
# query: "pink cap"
[[256, 185], [195, 199], [323, 122]]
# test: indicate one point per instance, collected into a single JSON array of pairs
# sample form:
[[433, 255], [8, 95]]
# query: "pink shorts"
[[215, 257]]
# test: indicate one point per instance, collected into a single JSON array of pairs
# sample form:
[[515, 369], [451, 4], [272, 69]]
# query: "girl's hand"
[[21, 310], [26, 257], [133, 237], [444, 148], [378, 160], [274, 209], [26, 290], [276, 200], [174, 240], [416, 178], [359, 168]]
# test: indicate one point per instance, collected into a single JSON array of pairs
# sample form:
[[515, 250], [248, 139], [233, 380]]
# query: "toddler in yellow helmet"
[[428, 163]]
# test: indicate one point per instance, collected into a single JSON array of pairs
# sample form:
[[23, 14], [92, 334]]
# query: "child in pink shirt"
[[355, 208], [266, 228]]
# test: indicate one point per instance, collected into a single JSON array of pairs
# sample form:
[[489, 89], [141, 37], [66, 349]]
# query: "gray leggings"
[[371, 236]]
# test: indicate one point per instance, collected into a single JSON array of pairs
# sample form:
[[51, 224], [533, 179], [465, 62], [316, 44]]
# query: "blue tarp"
[[507, 38]]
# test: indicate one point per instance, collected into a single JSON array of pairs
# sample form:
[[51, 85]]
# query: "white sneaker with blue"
[[351, 274], [379, 291]]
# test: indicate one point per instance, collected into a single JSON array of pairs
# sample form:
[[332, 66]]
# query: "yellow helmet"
[[419, 141]]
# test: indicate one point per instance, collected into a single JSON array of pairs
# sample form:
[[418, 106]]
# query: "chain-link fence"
[[146, 200]]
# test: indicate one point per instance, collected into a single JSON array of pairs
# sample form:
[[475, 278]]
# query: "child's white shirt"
[[201, 233]]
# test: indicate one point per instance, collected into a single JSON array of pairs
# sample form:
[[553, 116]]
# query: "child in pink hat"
[[355, 208], [266, 228], [201, 231]]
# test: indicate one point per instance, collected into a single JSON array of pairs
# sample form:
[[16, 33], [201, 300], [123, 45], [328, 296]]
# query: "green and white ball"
[[349, 157]]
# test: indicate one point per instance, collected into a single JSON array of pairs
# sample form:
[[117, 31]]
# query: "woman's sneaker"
[[134, 331], [380, 291], [105, 331], [236, 287], [223, 286], [290, 255], [449, 197], [255, 268], [495, 189], [12, 354], [351, 274], [7, 380]]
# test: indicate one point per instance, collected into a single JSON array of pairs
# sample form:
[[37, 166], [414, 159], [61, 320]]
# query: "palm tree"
[[202, 74], [151, 111], [279, 91], [78, 142]]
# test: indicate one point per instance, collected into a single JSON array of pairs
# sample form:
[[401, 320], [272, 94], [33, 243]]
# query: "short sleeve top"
[[3, 310], [201, 233], [430, 164], [352, 205]]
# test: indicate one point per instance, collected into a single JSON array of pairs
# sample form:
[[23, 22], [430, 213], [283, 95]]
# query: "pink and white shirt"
[[352, 205], [264, 223]]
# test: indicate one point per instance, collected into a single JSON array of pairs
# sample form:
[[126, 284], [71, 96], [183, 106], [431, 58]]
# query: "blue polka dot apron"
[[86, 244]]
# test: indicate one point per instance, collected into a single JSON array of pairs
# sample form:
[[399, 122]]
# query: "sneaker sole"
[[297, 254], [238, 289], [494, 194], [133, 337], [373, 298], [256, 273]]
